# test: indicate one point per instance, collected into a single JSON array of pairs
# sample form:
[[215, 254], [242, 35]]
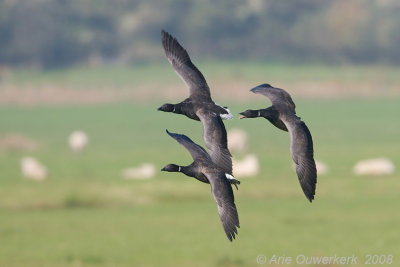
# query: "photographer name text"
[[301, 259]]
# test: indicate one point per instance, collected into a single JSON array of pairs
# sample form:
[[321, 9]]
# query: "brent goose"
[[199, 105], [282, 114], [205, 170], [199, 91]]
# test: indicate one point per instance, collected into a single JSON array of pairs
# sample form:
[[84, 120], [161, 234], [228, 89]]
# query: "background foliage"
[[55, 33]]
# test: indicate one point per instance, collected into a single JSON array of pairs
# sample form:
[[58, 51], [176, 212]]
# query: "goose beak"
[[159, 109], [242, 116], [163, 169]]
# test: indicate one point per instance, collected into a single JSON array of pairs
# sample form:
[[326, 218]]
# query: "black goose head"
[[167, 108], [171, 168], [249, 114]]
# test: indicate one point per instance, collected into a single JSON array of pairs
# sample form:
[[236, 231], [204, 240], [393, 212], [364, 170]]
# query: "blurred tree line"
[[59, 33]]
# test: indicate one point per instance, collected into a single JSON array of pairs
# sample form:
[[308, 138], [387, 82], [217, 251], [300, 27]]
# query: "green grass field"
[[212, 70], [85, 214]]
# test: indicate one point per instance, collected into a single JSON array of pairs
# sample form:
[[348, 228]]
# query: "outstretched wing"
[[301, 147], [184, 67], [196, 151], [215, 138], [223, 195], [278, 97]]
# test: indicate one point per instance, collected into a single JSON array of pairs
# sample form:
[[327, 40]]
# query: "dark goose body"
[[282, 114], [204, 169], [199, 105]]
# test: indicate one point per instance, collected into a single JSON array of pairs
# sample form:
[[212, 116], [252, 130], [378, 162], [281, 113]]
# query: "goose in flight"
[[199, 105], [282, 114], [199, 92], [204, 169]]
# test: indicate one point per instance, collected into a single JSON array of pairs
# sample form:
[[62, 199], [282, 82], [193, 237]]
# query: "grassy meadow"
[[86, 214]]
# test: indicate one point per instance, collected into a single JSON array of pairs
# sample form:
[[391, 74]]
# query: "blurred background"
[[82, 142]]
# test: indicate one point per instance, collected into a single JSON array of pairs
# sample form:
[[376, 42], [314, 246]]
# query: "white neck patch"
[[229, 177], [179, 169], [228, 116]]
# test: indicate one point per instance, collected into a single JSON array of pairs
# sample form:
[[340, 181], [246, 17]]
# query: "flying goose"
[[199, 92], [282, 114], [204, 169], [199, 105]]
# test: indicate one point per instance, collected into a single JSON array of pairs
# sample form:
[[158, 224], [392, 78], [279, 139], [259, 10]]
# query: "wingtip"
[[309, 195], [255, 89], [232, 236], [232, 230], [260, 87], [165, 37], [173, 135]]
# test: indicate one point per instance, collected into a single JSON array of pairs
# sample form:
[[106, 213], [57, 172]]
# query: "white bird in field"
[[33, 169], [78, 140], [374, 167], [247, 167], [237, 140], [144, 171], [322, 168]]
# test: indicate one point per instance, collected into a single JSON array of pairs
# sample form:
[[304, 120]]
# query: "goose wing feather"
[[223, 195], [196, 151], [215, 138], [301, 148], [183, 66], [278, 97]]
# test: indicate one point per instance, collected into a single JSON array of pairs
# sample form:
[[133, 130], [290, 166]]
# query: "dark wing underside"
[[223, 195], [301, 147], [215, 138], [278, 97], [196, 151], [184, 67]]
